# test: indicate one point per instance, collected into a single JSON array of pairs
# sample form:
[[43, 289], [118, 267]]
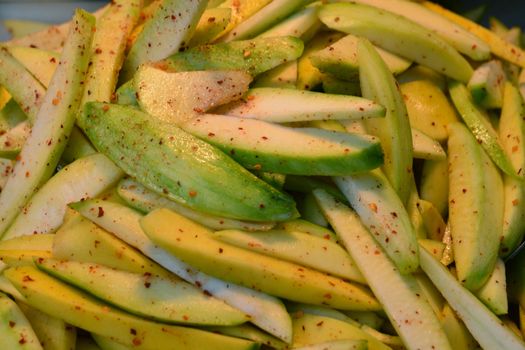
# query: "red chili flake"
[[515, 202], [327, 296], [373, 207], [98, 50], [257, 167], [198, 110], [246, 53], [210, 134], [137, 341], [261, 205], [100, 212], [147, 284], [22, 340], [57, 98], [211, 19], [192, 193], [133, 331], [12, 324], [319, 324], [105, 108], [250, 98], [185, 317]]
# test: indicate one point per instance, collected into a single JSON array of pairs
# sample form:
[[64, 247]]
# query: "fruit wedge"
[[194, 245], [79, 309], [181, 167], [265, 146], [398, 35]]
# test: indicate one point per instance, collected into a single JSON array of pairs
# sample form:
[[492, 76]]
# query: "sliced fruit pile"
[[262, 174]]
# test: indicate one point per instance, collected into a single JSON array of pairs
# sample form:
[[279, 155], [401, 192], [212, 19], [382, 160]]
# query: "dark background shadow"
[[511, 12]]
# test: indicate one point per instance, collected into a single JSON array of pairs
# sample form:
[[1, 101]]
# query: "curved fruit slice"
[[461, 39], [280, 105], [177, 97], [79, 309], [272, 13], [480, 127], [144, 200], [108, 49], [181, 167], [260, 145], [381, 210], [162, 299], [397, 35], [481, 322], [165, 33], [265, 311], [253, 56], [378, 84], [84, 178], [297, 247], [429, 110], [476, 207], [498, 46], [53, 123], [512, 136], [340, 59], [399, 294], [195, 245]]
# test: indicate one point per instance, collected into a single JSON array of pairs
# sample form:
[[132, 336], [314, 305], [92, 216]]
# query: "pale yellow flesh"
[[181, 237], [60, 300]]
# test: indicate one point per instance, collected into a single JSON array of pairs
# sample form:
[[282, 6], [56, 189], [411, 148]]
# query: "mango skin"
[[179, 166]]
